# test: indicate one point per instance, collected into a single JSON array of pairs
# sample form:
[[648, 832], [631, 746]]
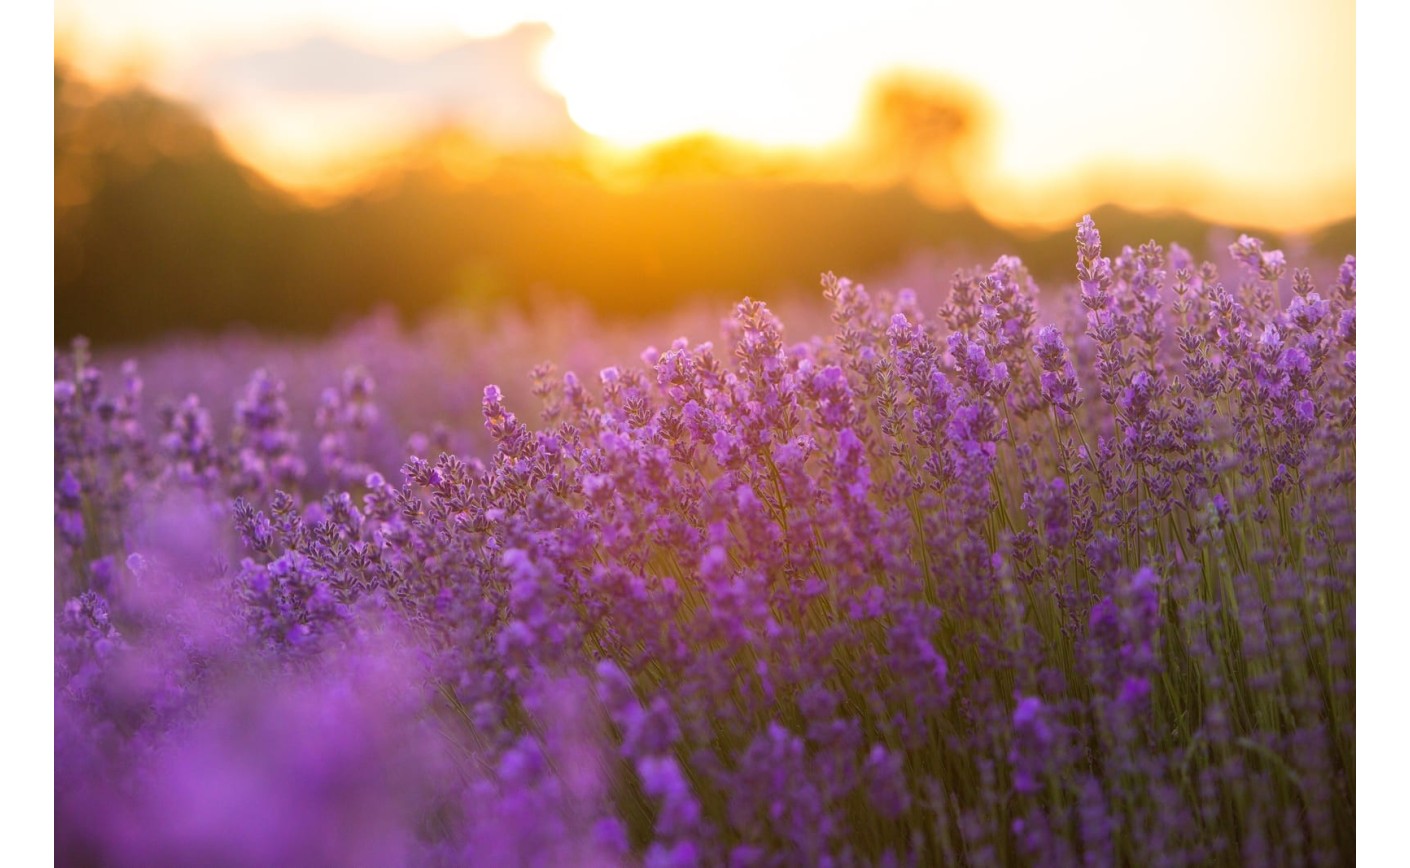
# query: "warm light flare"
[[1258, 96], [643, 74]]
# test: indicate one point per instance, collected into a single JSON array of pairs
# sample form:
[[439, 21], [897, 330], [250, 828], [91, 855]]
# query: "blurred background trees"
[[159, 228]]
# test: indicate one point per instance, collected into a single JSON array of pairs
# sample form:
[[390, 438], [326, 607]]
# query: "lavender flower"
[[892, 595]]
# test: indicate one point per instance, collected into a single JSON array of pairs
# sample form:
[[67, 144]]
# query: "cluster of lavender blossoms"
[[988, 586]]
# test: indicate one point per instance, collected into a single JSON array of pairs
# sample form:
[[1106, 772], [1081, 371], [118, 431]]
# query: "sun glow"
[[774, 74], [1265, 100], [727, 73], [633, 73]]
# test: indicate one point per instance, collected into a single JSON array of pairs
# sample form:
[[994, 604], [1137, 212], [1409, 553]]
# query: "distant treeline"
[[159, 229]]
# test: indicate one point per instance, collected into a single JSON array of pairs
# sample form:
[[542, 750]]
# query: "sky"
[[1256, 96]]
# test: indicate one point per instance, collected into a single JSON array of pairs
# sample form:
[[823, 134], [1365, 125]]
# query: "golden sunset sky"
[[1241, 110]]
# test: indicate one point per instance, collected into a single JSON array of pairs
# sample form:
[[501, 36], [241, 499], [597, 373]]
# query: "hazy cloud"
[[490, 84]]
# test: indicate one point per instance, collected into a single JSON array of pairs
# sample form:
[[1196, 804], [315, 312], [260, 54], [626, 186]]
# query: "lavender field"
[[1009, 577]]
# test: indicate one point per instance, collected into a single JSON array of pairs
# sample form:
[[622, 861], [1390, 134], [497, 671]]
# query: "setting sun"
[[733, 72]]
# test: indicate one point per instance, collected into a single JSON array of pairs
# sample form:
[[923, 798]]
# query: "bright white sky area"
[[1254, 94]]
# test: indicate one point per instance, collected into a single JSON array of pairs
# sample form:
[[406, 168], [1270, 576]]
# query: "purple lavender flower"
[[892, 595], [1032, 737]]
